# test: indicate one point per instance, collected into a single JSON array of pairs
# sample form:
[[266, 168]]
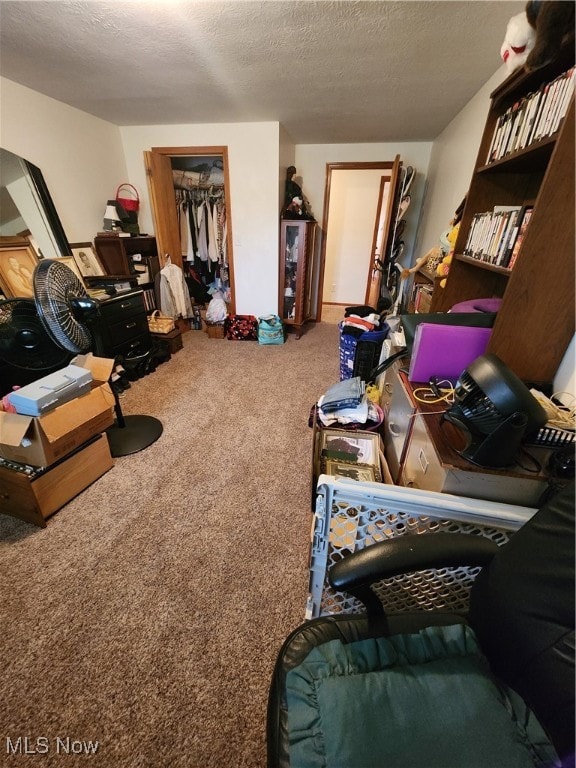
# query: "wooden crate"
[[35, 498]]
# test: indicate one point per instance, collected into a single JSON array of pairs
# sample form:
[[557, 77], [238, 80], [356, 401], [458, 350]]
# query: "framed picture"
[[71, 264], [17, 264], [86, 260], [349, 446], [360, 472]]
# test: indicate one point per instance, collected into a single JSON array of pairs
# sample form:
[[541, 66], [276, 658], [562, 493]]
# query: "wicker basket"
[[158, 323], [215, 330]]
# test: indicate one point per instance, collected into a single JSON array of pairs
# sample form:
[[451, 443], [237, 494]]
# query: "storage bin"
[[360, 355]]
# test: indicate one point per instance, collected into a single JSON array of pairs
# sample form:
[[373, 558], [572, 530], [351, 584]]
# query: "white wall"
[[84, 159], [253, 157], [80, 156], [451, 166], [286, 159]]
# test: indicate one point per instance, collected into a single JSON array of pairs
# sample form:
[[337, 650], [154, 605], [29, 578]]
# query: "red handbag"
[[128, 203]]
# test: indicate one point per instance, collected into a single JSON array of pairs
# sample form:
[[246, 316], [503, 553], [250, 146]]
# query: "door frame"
[[200, 152], [390, 166]]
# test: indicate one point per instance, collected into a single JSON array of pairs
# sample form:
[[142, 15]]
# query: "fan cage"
[[473, 405], [55, 285]]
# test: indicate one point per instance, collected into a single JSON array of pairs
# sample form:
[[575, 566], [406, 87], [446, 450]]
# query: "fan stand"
[[131, 434]]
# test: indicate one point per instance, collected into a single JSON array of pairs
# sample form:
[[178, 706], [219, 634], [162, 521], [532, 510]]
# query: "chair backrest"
[[522, 610]]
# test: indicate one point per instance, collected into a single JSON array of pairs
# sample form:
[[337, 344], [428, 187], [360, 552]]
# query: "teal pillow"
[[426, 700]]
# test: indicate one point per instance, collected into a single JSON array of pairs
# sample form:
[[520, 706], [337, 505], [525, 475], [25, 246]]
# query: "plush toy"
[[518, 42], [437, 259], [430, 260], [448, 241], [552, 22]]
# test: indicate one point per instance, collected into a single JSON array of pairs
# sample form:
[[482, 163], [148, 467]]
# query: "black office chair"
[[493, 688]]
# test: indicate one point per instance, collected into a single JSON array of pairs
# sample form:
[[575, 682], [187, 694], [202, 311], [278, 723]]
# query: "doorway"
[[190, 185], [358, 202]]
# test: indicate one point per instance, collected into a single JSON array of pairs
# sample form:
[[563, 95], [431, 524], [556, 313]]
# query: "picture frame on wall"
[[17, 265], [86, 260]]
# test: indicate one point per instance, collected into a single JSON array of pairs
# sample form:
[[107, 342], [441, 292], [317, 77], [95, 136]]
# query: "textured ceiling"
[[329, 72]]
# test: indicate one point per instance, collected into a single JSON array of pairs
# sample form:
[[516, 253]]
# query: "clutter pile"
[[347, 405], [359, 320], [361, 335]]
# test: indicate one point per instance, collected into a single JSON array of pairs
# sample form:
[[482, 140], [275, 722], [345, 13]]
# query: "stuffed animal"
[[438, 259], [430, 260], [518, 42], [552, 22], [448, 241], [294, 209]]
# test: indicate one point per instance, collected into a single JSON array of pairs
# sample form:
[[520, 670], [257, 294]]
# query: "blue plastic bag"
[[270, 330]]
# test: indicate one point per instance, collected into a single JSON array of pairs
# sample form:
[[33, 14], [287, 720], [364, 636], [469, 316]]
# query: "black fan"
[[67, 311], [24, 344], [495, 410]]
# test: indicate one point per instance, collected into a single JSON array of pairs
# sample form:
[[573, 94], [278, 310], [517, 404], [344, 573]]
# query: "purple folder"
[[445, 350]]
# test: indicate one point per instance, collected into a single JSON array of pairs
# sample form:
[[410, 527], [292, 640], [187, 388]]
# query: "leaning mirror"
[[27, 209]]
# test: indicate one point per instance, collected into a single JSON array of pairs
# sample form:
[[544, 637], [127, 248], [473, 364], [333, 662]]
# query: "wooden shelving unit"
[[536, 321]]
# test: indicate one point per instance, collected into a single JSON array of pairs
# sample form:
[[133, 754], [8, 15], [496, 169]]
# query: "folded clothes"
[[357, 414], [343, 394], [368, 323], [361, 311]]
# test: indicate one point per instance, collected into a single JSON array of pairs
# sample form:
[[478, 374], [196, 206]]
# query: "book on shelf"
[[532, 117], [520, 232], [490, 232]]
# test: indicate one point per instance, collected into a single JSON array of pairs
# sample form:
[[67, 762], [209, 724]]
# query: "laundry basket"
[[359, 355]]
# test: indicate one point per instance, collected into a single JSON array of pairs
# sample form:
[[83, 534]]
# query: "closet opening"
[[190, 198]]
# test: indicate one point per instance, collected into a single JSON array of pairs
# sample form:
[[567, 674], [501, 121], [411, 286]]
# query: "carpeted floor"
[[147, 615]]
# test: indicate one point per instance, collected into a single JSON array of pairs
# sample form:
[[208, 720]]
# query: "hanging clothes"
[[203, 229], [172, 294]]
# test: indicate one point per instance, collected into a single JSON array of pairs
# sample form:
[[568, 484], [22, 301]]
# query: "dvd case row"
[[532, 118], [495, 236]]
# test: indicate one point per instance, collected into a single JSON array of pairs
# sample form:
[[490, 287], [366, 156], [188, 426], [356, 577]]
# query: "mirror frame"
[[49, 208]]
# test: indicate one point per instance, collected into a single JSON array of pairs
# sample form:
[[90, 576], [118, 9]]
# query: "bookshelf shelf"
[[536, 320], [478, 264], [530, 158]]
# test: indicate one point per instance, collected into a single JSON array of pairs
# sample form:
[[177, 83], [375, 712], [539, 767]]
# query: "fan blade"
[[24, 343]]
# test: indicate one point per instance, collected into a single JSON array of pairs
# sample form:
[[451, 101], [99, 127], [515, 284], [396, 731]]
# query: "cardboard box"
[[42, 440], [34, 499]]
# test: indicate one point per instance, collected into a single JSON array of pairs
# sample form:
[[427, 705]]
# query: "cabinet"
[[421, 453], [536, 321], [297, 249], [128, 256], [123, 326]]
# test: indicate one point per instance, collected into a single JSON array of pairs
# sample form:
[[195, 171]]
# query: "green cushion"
[[425, 700]]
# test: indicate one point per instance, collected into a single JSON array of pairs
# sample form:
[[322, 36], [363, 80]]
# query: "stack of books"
[[532, 118], [495, 236]]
